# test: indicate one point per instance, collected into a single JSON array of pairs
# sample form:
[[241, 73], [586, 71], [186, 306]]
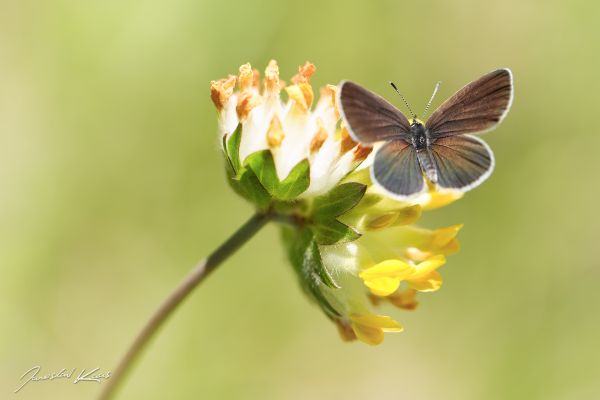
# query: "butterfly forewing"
[[369, 117], [462, 162], [397, 170], [477, 107]]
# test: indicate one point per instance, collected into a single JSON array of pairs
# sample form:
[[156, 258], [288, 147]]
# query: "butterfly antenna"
[[404, 100], [435, 90]]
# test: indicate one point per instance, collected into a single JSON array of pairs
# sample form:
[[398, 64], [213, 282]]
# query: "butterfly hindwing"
[[369, 117], [462, 162], [397, 170], [477, 107]]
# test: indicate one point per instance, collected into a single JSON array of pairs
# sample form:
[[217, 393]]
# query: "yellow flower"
[[369, 328], [384, 278]]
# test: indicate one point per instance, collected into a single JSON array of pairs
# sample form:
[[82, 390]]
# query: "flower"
[[351, 246], [290, 130]]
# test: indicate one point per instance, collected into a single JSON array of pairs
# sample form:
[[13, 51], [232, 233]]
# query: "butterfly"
[[441, 149]]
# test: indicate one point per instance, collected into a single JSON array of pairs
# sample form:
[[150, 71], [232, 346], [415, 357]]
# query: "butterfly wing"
[[463, 162], [397, 170], [477, 107], [369, 117]]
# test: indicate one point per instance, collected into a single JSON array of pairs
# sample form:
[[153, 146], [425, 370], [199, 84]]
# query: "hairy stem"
[[187, 285]]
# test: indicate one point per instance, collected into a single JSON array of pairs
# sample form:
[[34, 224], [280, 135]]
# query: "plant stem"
[[189, 283]]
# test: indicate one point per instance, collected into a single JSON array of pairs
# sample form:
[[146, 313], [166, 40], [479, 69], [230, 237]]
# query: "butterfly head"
[[416, 122]]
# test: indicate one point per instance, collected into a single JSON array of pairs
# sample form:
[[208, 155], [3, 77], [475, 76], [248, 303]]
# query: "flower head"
[[351, 246]]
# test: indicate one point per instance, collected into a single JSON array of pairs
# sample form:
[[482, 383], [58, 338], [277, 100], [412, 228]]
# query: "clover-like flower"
[[350, 245]]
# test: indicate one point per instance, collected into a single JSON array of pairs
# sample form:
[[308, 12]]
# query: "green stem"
[[189, 283]]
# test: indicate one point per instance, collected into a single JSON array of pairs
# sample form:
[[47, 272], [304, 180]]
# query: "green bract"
[[316, 218], [256, 180]]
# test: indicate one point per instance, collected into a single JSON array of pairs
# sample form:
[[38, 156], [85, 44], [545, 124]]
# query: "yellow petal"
[[369, 328], [428, 283], [380, 221], [406, 300], [368, 335], [436, 199], [443, 236], [345, 330], [408, 215], [382, 286], [384, 278], [429, 265], [452, 247]]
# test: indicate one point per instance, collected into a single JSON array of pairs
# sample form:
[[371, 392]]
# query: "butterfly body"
[[441, 149], [421, 142]]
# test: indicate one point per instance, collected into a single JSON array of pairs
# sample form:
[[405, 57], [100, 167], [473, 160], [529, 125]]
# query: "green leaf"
[[247, 185], [232, 148], [255, 192], [338, 200], [313, 262], [332, 231], [306, 259], [298, 180]]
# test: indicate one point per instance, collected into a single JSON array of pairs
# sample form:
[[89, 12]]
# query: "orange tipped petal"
[[221, 91], [272, 82], [319, 138], [246, 77], [362, 152], [347, 142], [304, 73], [246, 102]]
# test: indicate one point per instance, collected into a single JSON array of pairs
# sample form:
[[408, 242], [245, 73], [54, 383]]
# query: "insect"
[[441, 149]]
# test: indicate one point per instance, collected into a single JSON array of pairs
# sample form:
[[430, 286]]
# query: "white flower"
[[289, 129]]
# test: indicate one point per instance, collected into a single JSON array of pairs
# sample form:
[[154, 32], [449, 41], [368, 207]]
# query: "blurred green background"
[[111, 188]]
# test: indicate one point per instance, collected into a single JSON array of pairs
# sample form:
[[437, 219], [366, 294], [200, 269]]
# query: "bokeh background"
[[111, 188]]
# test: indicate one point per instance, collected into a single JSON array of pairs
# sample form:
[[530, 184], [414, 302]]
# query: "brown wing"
[[462, 162], [397, 169], [369, 117], [477, 107]]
